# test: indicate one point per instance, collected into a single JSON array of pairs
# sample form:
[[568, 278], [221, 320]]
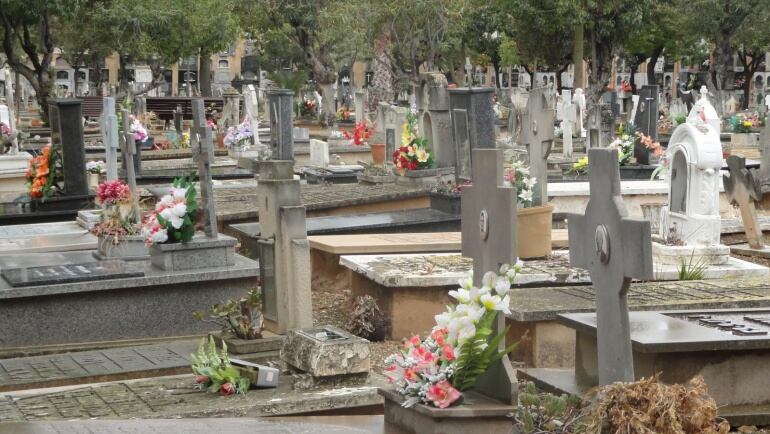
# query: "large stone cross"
[[742, 191], [568, 121], [128, 148], [489, 237], [615, 249], [202, 145], [251, 107], [537, 135], [109, 127]]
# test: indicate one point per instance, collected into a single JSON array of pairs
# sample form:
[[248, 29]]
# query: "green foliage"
[[288, 79], [546, 413], [479, 352], [185, 232], [216, 368], [690, 269], [242, 317]]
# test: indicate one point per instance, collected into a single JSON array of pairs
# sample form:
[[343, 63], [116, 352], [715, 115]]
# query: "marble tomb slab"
[[386, 243], [69, 273]]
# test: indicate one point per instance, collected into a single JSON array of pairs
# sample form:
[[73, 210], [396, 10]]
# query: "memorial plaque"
[[69, 273]]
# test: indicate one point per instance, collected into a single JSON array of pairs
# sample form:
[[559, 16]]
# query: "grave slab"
[[159, 304], [552, 345], [729, 348]]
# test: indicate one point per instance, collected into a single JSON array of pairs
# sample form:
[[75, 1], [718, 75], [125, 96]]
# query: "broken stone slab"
[[326, 352]]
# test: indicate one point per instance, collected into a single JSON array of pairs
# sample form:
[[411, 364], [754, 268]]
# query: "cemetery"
[[379, 216]]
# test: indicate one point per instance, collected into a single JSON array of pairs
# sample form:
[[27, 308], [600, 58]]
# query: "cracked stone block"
[[326, 351]]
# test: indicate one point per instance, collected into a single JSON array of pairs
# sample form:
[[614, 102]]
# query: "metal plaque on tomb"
[[69, 273], [267, 278], [738, 323]]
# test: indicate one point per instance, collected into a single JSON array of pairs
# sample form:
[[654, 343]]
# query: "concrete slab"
[[747, 250]]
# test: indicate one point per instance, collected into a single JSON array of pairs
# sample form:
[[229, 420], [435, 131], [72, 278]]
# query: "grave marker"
[[742, 190], [202, 145], [615, 249], [251, 107], [178, 118], [109, 126], [537, 135], [281, 127], [128, 148], [568, 121], [65, 117], [473, 125], [489, 237], [359, 105], [646, 121]]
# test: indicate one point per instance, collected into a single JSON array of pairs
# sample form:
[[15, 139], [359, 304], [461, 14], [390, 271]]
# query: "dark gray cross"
[[615, 249], [109, 127], [742, 191], [489, 237], [537, 134], [128, 147], [202, 147]]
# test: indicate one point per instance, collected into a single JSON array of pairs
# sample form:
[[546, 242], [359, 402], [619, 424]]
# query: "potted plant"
[[239, 138], [413, 161], [743, 126], [533, 223], [118, 227], [436, 372], [241, 323], [214, 372], [94, 169]]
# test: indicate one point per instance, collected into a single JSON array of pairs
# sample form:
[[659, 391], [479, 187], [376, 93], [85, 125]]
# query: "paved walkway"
[[313, 425]]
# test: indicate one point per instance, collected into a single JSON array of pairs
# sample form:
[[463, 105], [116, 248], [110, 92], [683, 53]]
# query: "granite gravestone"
[[473, 125], [69, 273], [284, 252], [646, 121], [615, 249], [489, 237], [109, 127], [66, 122], [203, 153], [537, 136], [281, 127]]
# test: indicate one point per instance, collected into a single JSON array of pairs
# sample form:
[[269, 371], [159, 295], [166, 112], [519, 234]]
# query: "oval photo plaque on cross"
[[484, 224]]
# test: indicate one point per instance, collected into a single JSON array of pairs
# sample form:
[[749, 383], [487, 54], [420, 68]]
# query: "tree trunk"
[[577, 57], [719, 74], [328, 111], [748, 74], [204, 75], [632, 82], [656, 52], [601, 65]]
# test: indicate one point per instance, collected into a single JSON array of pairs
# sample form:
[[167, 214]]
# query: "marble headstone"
[[281, 123], [537, 135]]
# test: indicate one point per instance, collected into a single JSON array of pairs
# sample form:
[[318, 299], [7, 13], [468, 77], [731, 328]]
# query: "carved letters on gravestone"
[[489, 237], [202, 145], [537, 135], [615, 249], [741, 190]]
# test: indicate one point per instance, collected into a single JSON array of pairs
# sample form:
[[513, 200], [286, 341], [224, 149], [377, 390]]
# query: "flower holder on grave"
[[424, 177], [327, 354], [126, 247]]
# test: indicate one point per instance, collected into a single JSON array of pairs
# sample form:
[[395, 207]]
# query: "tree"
[[211, 28], [544, 33], [485, 30], [28, 40], [751, 43], [80, 41]]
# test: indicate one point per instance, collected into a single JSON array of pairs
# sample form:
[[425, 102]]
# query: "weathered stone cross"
[[615, 249], [537, 135], [202, 147], [742, 190], [128, 147], [489, 237], [109, 124]]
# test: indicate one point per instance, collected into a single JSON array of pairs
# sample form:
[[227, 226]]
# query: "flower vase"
[[533, 231], [200, 252], [424, 177], [378, 154], [221, 140], [93, 180], [477, 413]]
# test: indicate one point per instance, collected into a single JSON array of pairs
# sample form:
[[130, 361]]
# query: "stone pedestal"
[[126, 247], [424, 177], [477, 414], [13, 170], [200, 252], [326, 352]]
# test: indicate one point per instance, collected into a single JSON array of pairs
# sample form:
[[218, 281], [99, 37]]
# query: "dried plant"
[[367, 320], [649, 406], [243, 317]]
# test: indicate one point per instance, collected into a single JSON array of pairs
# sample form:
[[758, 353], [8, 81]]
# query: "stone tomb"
[[435, 124], [157, 304], [730, 349]]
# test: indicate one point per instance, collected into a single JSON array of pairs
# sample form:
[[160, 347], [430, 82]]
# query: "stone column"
[[281, 126]]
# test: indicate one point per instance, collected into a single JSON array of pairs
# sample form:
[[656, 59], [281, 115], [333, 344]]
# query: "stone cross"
[[489, 237], [615, 249], [178, 117], [202, 145], [251, 107], [109, 126], [128, 148], [10, 100], [537, 134], [764, 144], [742, 191], [568, 120]]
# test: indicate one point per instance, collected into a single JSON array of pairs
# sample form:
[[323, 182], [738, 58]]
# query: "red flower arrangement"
[[361, 133]]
